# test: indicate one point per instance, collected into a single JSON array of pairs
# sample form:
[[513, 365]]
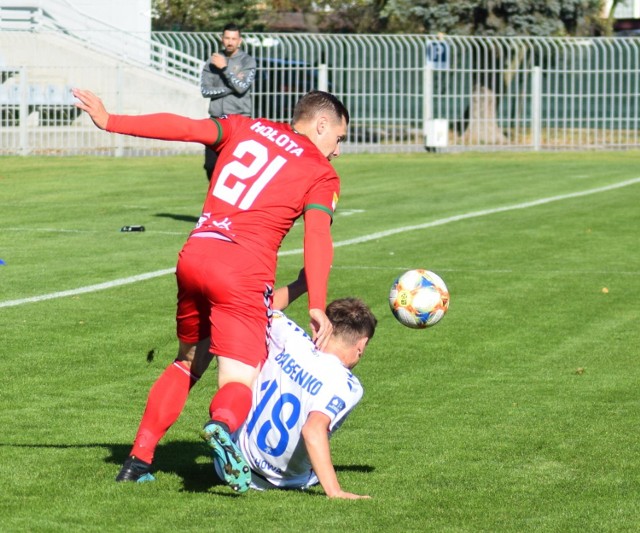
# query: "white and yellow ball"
[[419, 298]]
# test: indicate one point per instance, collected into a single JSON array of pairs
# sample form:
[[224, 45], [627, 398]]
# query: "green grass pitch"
[[518, 412]]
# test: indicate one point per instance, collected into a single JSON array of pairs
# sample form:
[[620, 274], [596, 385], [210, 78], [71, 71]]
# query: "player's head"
[[231, 38], [324, 119], [353, 326]]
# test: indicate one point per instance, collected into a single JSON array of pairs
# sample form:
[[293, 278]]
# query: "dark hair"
[[231, 26], [314, 101], [352, 319]]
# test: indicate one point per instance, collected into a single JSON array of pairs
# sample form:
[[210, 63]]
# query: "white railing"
[[452, 92], [404, 92]]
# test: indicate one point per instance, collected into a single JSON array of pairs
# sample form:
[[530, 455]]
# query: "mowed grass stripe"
[[348, 242]]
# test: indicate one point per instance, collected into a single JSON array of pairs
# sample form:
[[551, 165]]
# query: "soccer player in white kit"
[[301, 397]]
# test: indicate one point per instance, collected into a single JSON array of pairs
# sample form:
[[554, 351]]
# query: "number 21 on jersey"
[[235, 186]]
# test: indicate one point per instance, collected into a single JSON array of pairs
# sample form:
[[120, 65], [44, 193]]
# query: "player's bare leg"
[[196, 357], [228, 410]]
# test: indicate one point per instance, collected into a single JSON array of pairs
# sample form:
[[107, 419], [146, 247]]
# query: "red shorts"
[[224, 293]]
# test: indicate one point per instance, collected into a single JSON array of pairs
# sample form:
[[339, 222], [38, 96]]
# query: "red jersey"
[[266, 176]]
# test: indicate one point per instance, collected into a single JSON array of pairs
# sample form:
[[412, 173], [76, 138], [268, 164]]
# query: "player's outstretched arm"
[[315, 433], [164, 126], [93, 105], [283, 296]]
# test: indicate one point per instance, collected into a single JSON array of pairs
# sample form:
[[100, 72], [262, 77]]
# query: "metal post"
[[323, 77], [536, 107], [119, 89], [427, 98], [23, 113]]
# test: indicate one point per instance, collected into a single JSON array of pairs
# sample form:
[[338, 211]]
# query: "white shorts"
[[260, 483]]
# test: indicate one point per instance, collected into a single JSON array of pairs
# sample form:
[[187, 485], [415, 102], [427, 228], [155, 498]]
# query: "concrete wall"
[[56, 59], [121, 26]]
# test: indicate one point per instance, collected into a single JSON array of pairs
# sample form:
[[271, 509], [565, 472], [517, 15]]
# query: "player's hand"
[[349, 496], [90, 103], [321, 327], [219, 61]]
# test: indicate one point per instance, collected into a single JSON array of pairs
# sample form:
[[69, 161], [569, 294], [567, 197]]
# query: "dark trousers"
[[210, 158]]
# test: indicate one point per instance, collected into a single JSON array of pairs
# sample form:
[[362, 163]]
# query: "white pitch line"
[[474, 214], [348, 242], [89, 288], [485, 212]]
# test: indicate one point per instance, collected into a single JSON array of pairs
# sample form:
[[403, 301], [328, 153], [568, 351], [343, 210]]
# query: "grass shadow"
[[181, 218], [365, 469], [181, 458]]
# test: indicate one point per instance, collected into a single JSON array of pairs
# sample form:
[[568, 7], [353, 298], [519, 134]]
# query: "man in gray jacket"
[[226, 80]]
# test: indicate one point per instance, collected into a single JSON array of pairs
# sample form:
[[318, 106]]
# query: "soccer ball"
[[419, 299]]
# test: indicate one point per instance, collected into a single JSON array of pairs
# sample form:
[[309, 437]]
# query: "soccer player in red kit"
[[268, 174]]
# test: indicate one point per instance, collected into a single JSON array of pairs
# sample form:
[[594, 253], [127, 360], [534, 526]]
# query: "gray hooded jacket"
[[229, 88]]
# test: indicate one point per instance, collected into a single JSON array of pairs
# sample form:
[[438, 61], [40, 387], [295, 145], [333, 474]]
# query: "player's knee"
[[186, 353]]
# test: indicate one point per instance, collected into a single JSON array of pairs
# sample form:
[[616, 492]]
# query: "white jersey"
[[295, 380]]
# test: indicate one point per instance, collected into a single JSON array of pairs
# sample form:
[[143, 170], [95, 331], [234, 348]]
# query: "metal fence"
[[405, 92]]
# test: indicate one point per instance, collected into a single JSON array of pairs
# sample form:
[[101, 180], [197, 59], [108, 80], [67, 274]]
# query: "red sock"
[[231, 405], [164, 405]]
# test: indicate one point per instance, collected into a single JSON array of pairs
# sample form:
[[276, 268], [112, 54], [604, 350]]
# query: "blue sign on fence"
[[438, 55]]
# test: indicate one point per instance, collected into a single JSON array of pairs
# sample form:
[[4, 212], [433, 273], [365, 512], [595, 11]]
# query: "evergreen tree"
[[204, 15], [510, 17]]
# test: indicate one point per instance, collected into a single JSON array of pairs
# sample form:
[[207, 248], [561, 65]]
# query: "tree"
[[503, 18], [367, 16], [204, 15], [510, 17]]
